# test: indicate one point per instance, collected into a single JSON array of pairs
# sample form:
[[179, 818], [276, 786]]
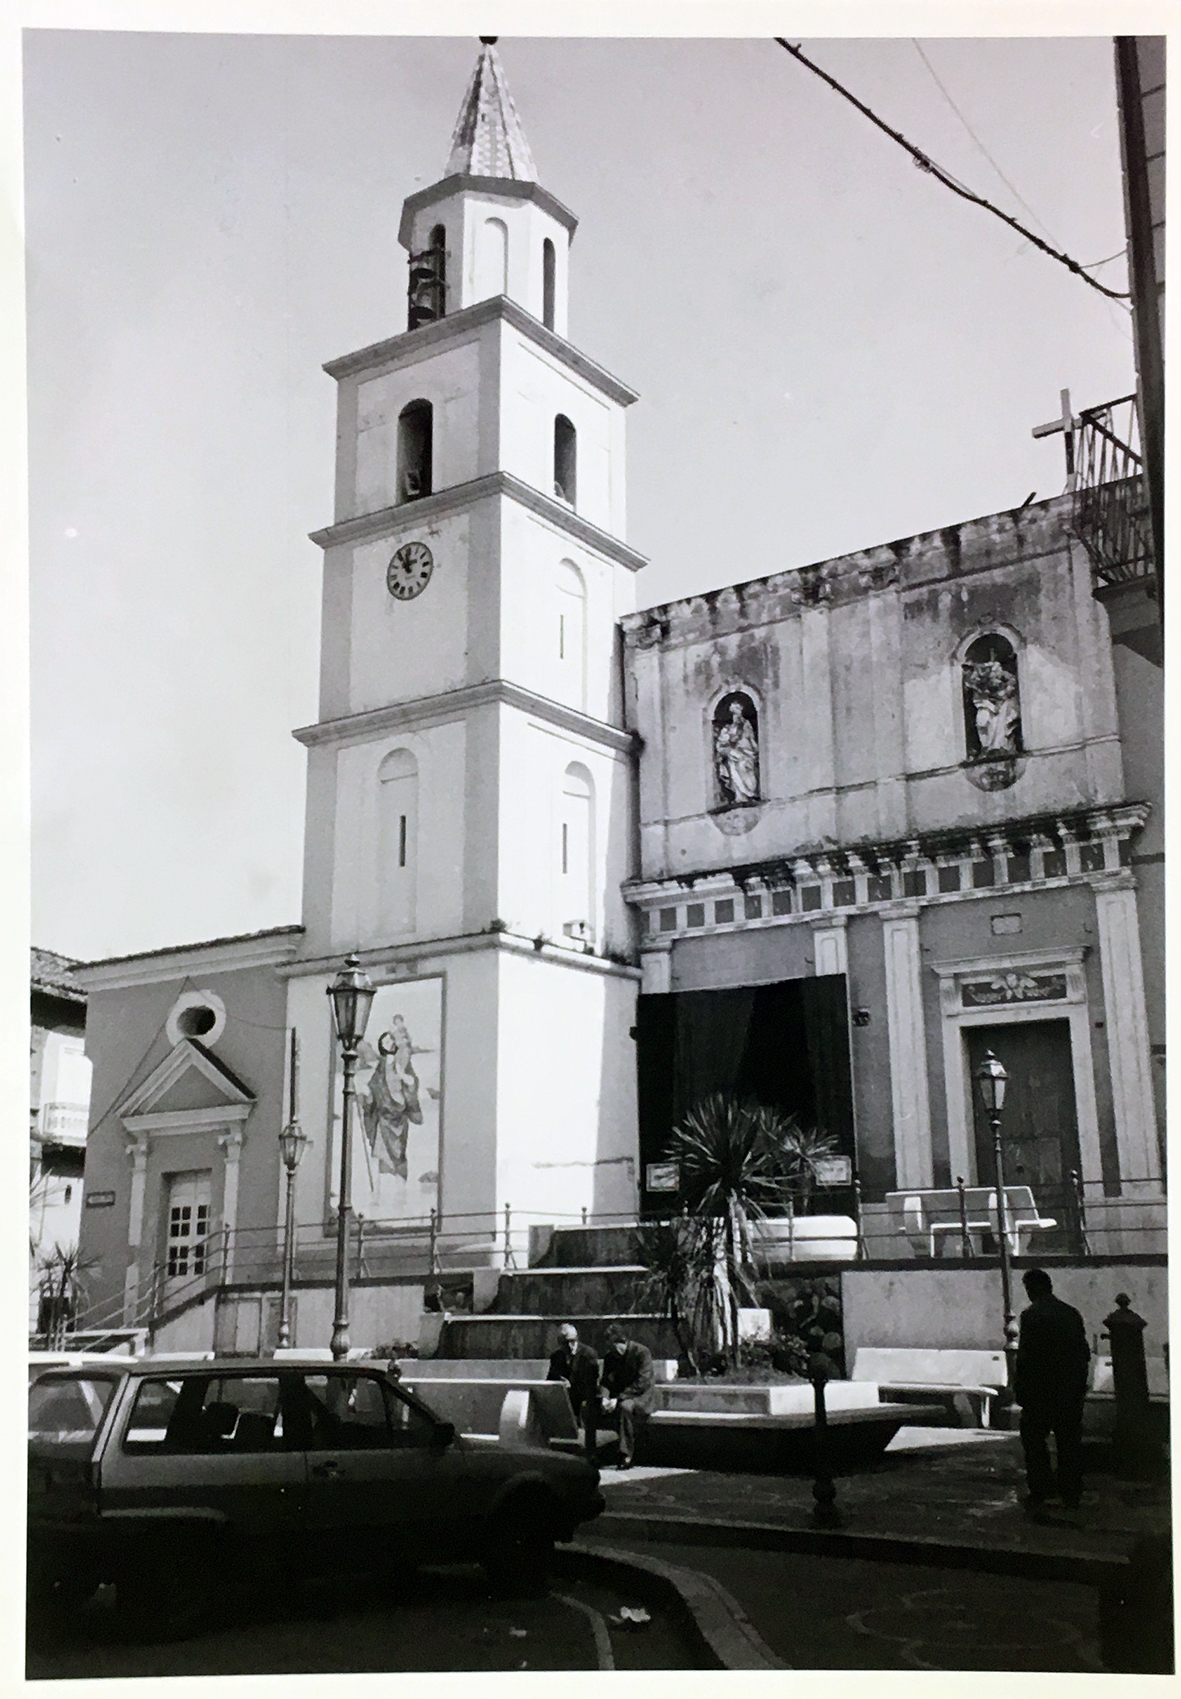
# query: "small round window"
[[197, 1014]]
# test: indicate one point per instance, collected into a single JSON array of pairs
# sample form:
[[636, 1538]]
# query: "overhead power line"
[[1012, 187], [944, 177]]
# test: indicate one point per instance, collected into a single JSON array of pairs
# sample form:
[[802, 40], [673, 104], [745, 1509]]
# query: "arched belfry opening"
[[428, 281], [415, 450], [565, 460], [549, 269]]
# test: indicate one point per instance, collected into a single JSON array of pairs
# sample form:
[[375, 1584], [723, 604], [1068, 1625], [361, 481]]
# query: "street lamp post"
[[352, 994], [292, 1141], [992, 1080]]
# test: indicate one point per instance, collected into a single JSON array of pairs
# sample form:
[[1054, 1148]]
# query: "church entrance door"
[[1039, 1125]]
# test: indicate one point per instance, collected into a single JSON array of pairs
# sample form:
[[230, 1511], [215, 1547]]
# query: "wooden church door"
[[1039, 1123]]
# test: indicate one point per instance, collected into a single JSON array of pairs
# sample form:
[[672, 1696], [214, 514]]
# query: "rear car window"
[[206, 1415], [66, 1412]]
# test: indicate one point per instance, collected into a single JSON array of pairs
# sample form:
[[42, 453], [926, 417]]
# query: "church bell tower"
[[469, 815]]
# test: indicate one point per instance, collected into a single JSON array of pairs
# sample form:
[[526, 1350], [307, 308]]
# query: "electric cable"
[[945, 177]]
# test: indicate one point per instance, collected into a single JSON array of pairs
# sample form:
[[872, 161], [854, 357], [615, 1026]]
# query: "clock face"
[[409, 572]]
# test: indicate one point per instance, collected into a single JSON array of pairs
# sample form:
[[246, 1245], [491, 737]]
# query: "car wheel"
[[519, 1548], [167, 1596]]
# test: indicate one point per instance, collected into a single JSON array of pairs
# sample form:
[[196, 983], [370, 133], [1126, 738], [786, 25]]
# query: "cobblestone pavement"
[[960, 1491]]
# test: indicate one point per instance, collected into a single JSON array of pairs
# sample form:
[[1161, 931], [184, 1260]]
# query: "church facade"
[[850, 821]]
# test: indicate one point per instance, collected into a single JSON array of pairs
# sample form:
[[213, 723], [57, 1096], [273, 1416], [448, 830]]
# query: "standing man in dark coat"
[[1051, 1387], [578, 1366], [628, 1389]]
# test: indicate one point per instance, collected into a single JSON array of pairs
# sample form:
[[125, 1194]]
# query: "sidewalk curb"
[[1084, 1567], [712, 1615]]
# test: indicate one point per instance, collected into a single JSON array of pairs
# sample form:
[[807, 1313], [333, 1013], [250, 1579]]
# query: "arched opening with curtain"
[[397, 841], [416, 427], [549, 267], [575, 905], [565, 460]]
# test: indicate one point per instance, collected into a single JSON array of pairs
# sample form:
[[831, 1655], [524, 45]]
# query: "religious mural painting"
[[736, 750], [395, 1166]]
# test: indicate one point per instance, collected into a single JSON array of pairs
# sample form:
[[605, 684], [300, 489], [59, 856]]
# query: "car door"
[[207, 1453], [385, 1482]]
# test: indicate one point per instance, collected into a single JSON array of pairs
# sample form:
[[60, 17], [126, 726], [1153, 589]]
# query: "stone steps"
[[570, 1291], [499, 1336]]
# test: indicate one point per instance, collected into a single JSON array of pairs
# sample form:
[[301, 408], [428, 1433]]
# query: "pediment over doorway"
[[190, 1088]]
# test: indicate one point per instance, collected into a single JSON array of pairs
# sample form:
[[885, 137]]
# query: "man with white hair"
[[578, 1366]]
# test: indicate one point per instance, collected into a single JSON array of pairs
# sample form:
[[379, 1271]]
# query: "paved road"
[[845, 1613], [438, 1620]]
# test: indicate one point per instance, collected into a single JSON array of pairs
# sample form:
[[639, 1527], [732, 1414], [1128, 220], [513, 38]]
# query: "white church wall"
[[358, 919], [449, 379], [400, 650], [565, 1105], [536, 387]]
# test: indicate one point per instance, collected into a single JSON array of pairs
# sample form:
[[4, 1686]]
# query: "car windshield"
[[66, 1412]]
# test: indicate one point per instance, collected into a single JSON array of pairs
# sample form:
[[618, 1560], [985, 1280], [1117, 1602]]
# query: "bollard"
[[1134, 1447], [965, 1235], [824, 1511]]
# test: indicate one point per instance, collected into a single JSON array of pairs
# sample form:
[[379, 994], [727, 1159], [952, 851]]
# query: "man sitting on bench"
[[628, 1389]]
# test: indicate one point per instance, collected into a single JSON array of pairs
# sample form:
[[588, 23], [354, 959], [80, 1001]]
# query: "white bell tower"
[[470, 784]]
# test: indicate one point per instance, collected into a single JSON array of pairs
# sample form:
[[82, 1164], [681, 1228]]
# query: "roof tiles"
[[488, 139]]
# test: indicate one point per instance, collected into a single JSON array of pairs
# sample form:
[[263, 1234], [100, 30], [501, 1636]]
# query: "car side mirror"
[[442, 1435]]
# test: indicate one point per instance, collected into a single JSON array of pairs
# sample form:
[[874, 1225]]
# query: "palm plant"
[[63, 1280], [737, 1160]]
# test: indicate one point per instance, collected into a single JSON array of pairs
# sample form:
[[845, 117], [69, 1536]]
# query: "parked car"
[[177, 1481]]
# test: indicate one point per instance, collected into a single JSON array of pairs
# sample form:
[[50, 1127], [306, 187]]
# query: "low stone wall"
[[960, 1305]]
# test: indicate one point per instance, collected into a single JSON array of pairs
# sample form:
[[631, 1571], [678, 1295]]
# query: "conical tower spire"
[[488, 139]]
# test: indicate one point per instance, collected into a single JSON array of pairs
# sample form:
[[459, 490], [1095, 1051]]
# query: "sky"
[[831, 351]]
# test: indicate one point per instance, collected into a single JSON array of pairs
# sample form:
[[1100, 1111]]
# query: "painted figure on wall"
[[736, 751], [396, 1155], [992, 710], [390, 1104]]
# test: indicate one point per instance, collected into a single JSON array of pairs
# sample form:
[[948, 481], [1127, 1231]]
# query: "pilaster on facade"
[[830, 947], [906, 1026], [230, 1143], [1129, 1053]]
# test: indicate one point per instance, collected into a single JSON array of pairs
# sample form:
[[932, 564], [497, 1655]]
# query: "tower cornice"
[[411, 515], [422, 710], [409, 345], [504, 188]]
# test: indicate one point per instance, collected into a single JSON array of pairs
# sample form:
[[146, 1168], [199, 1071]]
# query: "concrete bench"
[[746, 1441], [1103, 1382], [927, 1216], [974, 1376], [521, 1414]]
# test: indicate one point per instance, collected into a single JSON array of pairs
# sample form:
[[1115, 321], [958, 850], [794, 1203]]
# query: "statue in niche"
[[992, 708], [736, 750]]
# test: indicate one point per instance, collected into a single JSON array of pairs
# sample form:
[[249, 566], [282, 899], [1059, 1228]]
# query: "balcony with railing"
[[1111, 513]]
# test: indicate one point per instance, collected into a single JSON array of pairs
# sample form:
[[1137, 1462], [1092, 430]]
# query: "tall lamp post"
[[352, 993], [292, 1141], [992, 1079]]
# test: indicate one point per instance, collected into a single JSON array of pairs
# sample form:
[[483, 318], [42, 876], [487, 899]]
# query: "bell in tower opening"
[[428, 282]]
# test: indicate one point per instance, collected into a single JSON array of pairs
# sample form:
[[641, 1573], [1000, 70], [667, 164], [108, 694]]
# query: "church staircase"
[[586, 1275]]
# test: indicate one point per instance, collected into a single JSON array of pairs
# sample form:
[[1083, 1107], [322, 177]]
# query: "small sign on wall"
[[662, 1177], [99, 1200], [833, 1170]]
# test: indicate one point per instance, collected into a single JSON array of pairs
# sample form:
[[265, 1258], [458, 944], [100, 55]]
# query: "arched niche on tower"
[[574, 856], [416, 430], [397, 842], [568, 634], [491, 258], [549, 283]]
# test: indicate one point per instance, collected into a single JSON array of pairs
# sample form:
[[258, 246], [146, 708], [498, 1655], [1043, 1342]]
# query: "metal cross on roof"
[[1068, 425]]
